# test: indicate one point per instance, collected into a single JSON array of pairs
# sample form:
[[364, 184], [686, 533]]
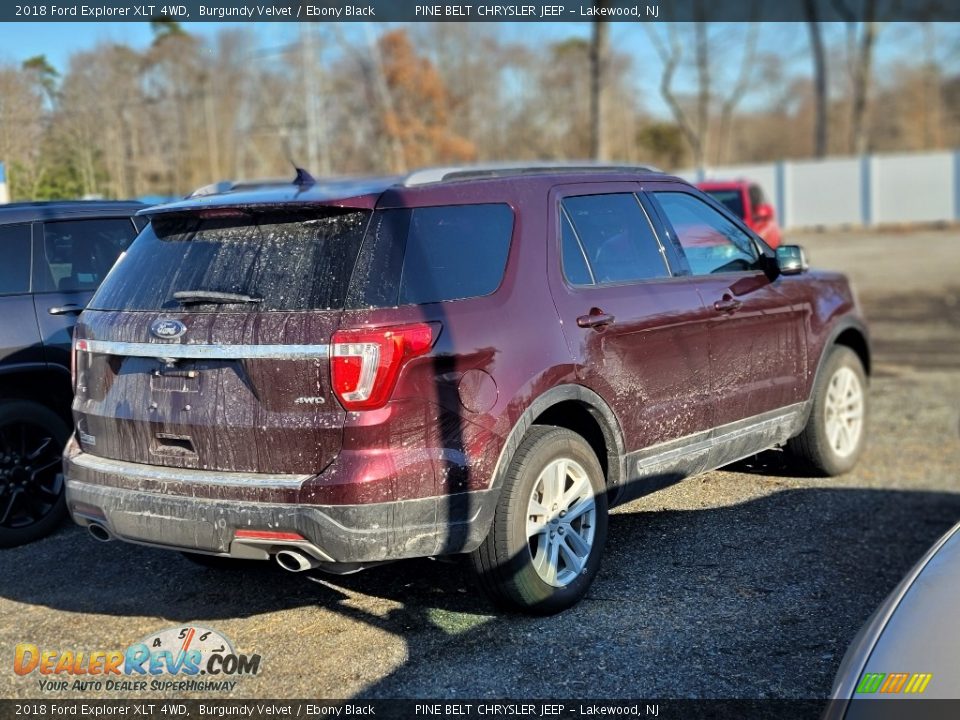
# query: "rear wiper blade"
[[189, 297]]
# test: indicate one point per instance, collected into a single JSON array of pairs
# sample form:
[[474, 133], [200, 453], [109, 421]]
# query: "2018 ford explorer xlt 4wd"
[[337, 374]]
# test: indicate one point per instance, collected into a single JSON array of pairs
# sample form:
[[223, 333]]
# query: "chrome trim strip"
[[208, 352], [185, 475], [673, 450]]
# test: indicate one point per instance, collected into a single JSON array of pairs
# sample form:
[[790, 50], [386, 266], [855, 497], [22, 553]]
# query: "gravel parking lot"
[[746, 582]]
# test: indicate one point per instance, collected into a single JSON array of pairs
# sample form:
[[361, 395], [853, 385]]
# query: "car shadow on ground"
[[751, 600], [775, 462]]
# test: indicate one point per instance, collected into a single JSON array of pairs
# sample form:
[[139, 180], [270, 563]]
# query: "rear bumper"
[[373, 532]]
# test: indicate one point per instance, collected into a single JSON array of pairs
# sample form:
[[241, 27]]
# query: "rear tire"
[[32, 503], [544, 546], [835, 434]]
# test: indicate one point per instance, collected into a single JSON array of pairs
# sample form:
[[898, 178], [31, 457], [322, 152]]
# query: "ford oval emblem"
[[168, 329]]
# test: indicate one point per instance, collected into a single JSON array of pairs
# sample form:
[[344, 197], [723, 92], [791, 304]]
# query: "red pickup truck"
[[747, 201]]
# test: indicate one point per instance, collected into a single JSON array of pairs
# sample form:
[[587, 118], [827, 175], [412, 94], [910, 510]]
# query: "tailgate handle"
[[178, 445], [69, 309]]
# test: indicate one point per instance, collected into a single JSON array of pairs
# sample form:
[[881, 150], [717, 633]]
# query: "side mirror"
[[763, 212], [791, 260]]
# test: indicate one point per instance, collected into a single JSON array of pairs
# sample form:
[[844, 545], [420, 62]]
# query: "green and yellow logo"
[[893, 683]]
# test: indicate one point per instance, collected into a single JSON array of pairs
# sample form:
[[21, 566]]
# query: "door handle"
[[727, 304], [596, 319], [70, 309]]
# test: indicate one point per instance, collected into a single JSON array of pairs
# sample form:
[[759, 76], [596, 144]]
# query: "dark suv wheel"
[[543, 550], [32, 504]]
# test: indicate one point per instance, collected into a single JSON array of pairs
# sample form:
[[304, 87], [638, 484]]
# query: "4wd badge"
[[168, 329]]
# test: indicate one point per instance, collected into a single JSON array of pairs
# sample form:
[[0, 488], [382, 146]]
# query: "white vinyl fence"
[[855, 191]]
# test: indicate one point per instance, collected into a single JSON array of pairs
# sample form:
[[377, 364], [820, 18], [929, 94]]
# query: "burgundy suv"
[[335, 374]]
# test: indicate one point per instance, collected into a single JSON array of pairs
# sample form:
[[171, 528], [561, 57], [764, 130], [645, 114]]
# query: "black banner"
[[481, 11], [874, 709]]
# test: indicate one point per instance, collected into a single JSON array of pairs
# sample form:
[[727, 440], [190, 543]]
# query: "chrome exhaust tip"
[[99, 532], [295, 561]]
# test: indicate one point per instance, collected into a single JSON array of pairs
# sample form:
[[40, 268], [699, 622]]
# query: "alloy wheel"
[[30, 479], [844, 412], [561, 518]]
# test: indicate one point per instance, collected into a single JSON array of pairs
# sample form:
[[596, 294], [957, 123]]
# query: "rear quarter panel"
[[452, 410]]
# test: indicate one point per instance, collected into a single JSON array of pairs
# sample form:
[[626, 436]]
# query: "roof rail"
[[492, 170]]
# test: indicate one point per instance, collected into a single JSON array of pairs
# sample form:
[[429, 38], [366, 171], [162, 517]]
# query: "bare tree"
[[21, 118], [670, 51], [696, 123], [599, 62], [739, 89], [820, 127], [860, 47], [932, 101]]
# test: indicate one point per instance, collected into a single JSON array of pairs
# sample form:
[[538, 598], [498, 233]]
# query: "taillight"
[[364, 364], [78, 346]]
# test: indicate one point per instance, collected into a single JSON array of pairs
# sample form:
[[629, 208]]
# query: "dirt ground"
[[746, 582]]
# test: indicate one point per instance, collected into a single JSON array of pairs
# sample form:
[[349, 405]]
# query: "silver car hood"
[[915, 631]]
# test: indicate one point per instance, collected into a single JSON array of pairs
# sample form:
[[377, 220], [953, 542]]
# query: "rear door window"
[[575, 267], [711, 242], [432, 254], [616, 239], [15, 265], [251, 262], [78, 254]]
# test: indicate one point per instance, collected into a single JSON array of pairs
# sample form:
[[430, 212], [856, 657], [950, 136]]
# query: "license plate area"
[[177, 378]]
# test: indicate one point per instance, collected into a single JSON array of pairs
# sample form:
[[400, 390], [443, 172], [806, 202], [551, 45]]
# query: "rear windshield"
[[732, 199], [432, 254], [257, 262]]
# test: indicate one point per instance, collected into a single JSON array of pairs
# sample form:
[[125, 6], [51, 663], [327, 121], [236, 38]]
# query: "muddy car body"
[[461, 361]]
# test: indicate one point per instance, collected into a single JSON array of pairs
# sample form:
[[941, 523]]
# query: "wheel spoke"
[[34, 506], [553, 560], [578, 488], [47, 494], [541, 557], [537, 508], [53, 462], [833, 433], [559, 480], [584, 506], [572, 560], [536, 527], [44, 444], [577, 544], [9, 508], [845, 383]]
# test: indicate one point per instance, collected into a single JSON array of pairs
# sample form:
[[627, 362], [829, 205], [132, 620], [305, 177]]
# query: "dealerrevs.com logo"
[[181, 659]]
